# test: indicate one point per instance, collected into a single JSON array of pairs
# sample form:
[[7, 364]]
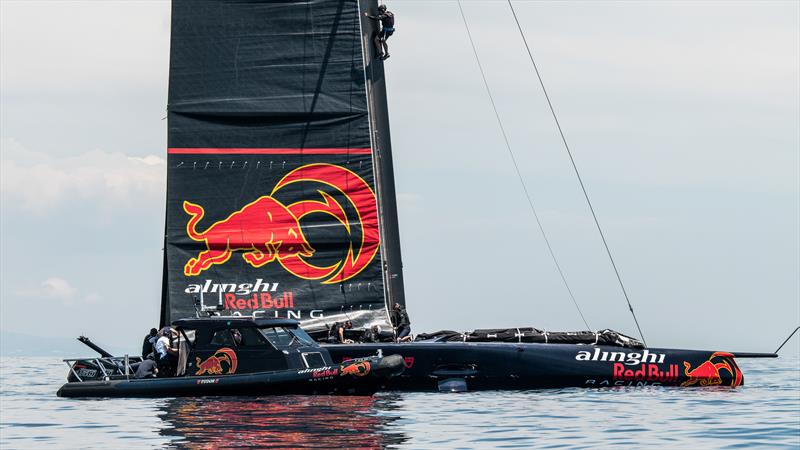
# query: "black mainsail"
[[273, 155]]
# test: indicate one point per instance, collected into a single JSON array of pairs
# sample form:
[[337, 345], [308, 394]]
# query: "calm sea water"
[[763, 413]]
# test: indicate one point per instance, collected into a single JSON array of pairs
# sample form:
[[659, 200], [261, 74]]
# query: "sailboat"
[[281, 204]]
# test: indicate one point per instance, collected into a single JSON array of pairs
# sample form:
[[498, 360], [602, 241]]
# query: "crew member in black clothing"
[[402, 324], [336, 332], [146, 369], [149, 342], [386, 18], [371, 335]]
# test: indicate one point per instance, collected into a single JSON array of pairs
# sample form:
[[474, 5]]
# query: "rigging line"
[[516, 168], [575, 167], [787, 340]]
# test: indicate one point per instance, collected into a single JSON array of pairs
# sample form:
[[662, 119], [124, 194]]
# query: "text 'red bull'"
[[266, 230], [646, 372], [260, 301]]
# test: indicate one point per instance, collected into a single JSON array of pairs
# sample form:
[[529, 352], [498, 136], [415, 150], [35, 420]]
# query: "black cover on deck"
[[603, 337]]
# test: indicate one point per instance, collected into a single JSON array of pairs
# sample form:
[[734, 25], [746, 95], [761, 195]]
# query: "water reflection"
[[281, 422], [765, 412]]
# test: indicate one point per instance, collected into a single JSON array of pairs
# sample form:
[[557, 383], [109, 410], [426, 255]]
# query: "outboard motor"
[[88, 370]]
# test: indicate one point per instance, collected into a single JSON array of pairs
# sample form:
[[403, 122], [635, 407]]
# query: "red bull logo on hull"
[[719, 369], [357, 369], [267, 231], [213, 364], [710, 372]]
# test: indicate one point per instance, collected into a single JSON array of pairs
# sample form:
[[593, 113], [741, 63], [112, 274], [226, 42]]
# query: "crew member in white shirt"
[[166, 354]]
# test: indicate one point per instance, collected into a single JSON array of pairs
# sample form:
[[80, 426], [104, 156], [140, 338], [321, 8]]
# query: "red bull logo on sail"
[[267, 231]]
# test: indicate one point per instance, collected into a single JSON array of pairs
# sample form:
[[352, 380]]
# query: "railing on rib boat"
[[121, 364]]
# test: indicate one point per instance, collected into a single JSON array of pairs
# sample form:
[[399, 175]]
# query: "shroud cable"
[[516, 167], [575, 167]]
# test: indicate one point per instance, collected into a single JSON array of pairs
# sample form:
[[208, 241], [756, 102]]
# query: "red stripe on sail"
[[269, 151]]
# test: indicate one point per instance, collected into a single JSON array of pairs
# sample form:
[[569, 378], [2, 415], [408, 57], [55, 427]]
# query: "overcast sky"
[[682, 116]]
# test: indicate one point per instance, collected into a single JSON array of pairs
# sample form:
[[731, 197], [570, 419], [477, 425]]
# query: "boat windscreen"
[[249, 337], [285, 337], [303, 337], [278, 336]]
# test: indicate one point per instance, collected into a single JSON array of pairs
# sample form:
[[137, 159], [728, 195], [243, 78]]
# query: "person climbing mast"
[[386, 19]]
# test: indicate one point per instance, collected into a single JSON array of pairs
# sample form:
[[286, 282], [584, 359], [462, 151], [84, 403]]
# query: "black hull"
[[334, 380], [486, 366]]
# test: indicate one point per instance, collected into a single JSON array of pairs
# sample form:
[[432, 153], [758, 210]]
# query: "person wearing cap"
[[402, 323], [166, 354], [386, 18], [149, 342]]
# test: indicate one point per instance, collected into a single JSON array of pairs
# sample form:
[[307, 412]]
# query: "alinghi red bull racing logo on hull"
[[268, 231]]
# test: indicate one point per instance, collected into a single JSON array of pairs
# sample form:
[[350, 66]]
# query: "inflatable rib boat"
[[225, 356]]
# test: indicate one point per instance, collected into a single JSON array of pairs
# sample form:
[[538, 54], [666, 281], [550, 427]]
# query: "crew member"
[[146, 369], [149, 341], [336, 332], [371, 335], [386, 19], [166, 354], [402, 324]]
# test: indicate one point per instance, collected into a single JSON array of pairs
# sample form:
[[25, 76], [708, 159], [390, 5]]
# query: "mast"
[[382, 154]]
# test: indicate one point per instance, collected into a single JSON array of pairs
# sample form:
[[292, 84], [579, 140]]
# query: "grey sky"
[[683, 118]]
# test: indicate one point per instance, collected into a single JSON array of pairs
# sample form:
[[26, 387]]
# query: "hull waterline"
[[534, 366]]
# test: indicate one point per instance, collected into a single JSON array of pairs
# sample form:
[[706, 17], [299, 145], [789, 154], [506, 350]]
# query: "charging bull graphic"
[[358, 369], [708, 372], [265, 230], [213, 364]]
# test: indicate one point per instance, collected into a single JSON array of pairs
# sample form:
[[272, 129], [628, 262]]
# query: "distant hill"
[[19, 344]]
